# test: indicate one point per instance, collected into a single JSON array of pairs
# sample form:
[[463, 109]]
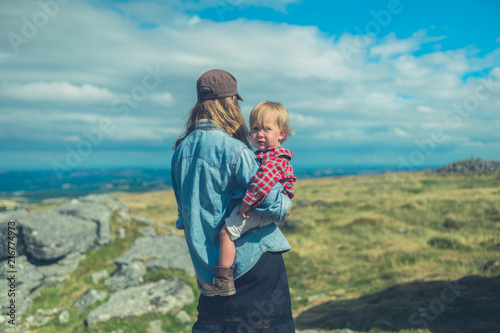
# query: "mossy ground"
[[353, 239]]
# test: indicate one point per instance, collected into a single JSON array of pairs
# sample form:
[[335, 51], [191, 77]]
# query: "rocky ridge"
[[51, 244], [472, 165]]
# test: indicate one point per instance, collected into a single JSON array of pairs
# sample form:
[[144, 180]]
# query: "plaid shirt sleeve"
[[288, 180], [269, 173]]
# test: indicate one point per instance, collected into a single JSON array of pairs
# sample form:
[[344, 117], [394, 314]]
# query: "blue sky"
[[406, 84]]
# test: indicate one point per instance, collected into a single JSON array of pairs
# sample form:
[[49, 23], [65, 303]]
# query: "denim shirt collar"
[[207, 124]]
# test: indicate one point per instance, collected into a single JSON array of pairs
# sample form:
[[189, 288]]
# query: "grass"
[[371, 234], [353, 238]]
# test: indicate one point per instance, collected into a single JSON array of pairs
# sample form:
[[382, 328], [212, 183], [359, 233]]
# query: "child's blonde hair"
[[275, 108]]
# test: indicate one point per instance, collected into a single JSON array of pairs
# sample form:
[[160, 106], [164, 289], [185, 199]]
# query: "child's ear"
[[282, 134]]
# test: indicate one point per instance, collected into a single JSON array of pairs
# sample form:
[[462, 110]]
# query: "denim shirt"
[[210, 174]]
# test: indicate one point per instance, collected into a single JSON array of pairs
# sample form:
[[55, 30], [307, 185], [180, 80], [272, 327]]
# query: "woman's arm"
[[276, 205], [179, 224]]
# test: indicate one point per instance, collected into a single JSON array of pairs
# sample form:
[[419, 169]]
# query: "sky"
[[393, 83]]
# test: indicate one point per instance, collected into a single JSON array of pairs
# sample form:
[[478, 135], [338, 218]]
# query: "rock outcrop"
[[50, 244], [141, 219], [5, 218], [59, 271], [149, 253], [89, 298], [472, 165], [98, 209], [41, 317], [97, 215], [27, 275], [159, 297], [26, 280], [50, 236], [127, 275], [160, 251]]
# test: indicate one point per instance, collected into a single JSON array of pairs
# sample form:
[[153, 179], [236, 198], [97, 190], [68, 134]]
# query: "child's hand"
[[243, 210]]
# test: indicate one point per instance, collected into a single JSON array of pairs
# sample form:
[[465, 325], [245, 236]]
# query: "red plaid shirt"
[[274, 167]]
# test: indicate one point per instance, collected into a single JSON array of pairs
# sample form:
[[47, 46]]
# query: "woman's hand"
[[243, 210]]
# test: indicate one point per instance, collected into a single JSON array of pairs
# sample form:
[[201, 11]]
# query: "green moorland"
[[376, 253]]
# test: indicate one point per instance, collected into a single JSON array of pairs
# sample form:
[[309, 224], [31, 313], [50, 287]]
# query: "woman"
[[211, 167]]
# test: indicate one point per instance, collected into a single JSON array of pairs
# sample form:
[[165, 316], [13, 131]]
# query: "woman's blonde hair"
[[225, 112], [274, 108]]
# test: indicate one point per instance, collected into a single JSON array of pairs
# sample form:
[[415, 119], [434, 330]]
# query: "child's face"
[[268, 136]]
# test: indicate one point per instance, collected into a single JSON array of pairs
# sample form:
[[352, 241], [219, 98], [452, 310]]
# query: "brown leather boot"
[[222, 284]]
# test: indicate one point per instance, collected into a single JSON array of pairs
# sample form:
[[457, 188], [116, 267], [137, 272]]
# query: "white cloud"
[[56, 91], [229, 5], [69, 138], [496, 72], [279, 5], [91, 54], [147, 129], [423, 108], [164, 99], [301, 121], [194, 20], [391, 45], [400, 132]]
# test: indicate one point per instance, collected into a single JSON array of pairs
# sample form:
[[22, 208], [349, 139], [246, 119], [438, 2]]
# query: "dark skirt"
[[261, 303]]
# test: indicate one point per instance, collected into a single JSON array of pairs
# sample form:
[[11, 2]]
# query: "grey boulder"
[[21, 302], [98, 213], [159, 297], [18, 286], [126, 276], [141, 219], [49, 235], [59, 272], [26, 275], [105, 200], [160, 251], [15, 227], [89, 298]]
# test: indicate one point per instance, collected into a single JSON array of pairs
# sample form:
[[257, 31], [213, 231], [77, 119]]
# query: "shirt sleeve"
[[266, 177], [275, 205], [245, 166], [179, 224]]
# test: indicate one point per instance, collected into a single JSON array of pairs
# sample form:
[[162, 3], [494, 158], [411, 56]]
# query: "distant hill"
[[472, 165]]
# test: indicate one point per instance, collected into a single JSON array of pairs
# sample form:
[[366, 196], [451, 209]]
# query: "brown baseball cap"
[[222, 84]]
